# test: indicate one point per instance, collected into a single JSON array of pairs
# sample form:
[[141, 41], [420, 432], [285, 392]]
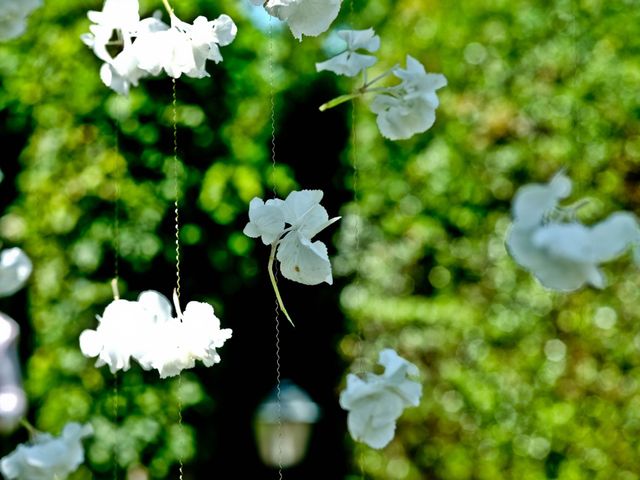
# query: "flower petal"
[[303, 261]]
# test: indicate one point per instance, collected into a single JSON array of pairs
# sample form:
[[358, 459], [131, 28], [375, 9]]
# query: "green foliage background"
[[519, 382]]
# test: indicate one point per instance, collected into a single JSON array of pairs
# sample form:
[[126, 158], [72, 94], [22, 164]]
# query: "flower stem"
[[176, 304], [30, 428], [379, 77], [168, 7], [339, 100], [274, 283], [114, 289]]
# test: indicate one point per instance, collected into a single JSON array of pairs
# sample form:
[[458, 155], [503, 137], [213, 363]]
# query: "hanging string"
[[115, 420], [176, 209], [576, 107], [176, 175], [116, 274], [360, 360], [272, 101]]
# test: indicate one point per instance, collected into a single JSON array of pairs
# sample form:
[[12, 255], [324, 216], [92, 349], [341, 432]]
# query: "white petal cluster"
[[15, 269], [375, 402], [47, 457], [149, 46], [301, 259], [350, 62], [402, 110], [409, 108], [13, 16], [147, 331], [561, 252], [304, 17]]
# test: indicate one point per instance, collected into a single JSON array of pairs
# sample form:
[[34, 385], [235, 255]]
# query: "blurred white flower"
[[350, 63], [114, 28], [47, 457], [562, 253], [184, 48], [15, 269], [122, 330], [154, 337], [375, 402], [304, 17], [410, 107], [13, 16], [149, 46], [177, 343]]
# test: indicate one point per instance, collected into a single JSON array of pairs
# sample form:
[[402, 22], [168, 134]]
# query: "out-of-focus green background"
[[519, 382]]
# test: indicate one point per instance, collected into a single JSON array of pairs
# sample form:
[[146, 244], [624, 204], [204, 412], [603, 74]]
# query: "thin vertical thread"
[[176, 175], [360, 363], [576, 107], [272, 101], [181, 466], [116, 210], [176, 204], [116, 276], [115, 420]]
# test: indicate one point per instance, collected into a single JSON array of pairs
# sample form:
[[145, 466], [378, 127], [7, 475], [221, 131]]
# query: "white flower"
[[377, 401], [119, 20], [534, 201], [149, 46], [410, 107], [15, 269], [177, 343], [184, 48], [13, 16], [48, 457], [122, 72], [147, 331], [202, 333], [304, 17], [301, 259], [304, 261], [564, 255], [266, 220], [122, 330], [350, 63]]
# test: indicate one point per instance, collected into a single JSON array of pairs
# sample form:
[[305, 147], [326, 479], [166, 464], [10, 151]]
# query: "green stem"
[[168, 7], [380, 77], [30, 428], [274, 282], [339, 100]]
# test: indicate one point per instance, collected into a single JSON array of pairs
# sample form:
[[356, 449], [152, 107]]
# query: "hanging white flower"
[[115, 26], [177, 343], [375, 402], [266, 220], [410, 107], [122, 331], [561, 252], [149, 46], [350, 62], [13, 16], [184, 48], [301, 259], [147, 331], [304, 17], [47, 457], [15, 269]]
